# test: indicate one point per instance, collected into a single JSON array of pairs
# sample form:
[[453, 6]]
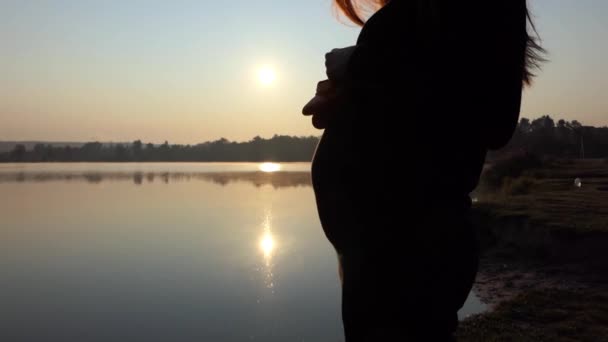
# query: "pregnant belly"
[[332, 161], [333, 177]]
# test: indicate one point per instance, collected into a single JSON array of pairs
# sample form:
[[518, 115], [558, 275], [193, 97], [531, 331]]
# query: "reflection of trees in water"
[[138, 177], [276, 179], [93, 177], [258, 179]]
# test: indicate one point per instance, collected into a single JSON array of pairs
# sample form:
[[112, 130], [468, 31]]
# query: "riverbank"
[[544, 270]]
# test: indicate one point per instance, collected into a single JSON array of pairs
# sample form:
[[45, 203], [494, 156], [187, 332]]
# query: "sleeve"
[[372, 66]]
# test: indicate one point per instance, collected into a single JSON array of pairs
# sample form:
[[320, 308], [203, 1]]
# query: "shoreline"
[[544, 266]]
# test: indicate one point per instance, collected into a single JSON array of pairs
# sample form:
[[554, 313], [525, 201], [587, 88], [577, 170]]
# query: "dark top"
[[430, 91], [437, 87]]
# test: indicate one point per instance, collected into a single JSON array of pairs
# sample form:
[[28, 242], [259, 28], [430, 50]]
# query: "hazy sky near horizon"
[[185, 70]]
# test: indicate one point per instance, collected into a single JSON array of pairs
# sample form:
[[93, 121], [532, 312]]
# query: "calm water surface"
[[165, 252]]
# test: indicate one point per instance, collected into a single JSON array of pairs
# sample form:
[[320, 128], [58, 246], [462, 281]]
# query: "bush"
[[512, 167], [518, 186], [536, 174]]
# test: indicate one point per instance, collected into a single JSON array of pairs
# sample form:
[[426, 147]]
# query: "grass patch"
[[518, 186], [547, 196], [509, 168]]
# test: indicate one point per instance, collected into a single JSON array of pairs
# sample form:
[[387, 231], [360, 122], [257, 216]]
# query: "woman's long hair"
[[356, 10]]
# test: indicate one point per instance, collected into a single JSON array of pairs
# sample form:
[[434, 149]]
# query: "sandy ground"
[[499, 280]]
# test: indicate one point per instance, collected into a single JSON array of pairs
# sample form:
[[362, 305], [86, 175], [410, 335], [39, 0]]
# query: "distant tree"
[[49, 152], [544, 123], [137, 148], [67, 154], [39, 153], [576, 124], [91, 151], [18, 153], [578, 130], [120, 152], [524, 125]]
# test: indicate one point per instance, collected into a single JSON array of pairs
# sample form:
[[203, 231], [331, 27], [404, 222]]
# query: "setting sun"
[[267, 75]]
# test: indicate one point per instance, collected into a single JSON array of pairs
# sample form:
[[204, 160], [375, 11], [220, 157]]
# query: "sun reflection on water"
[[270, 167], [267, 245]]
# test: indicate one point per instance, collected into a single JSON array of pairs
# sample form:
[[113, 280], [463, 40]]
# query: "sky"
[[186, 71]]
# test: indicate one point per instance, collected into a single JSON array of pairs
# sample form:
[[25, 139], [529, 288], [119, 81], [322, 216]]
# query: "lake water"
[[165, 252]]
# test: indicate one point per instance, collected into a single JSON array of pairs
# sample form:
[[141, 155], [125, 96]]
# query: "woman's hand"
[[324, 105], [336, 63]]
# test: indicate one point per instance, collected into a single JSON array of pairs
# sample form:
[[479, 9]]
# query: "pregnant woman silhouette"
[[409, 114]]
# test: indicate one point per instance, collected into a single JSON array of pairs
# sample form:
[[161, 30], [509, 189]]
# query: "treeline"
[[278, 148], [563, 139], [542, 136]]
